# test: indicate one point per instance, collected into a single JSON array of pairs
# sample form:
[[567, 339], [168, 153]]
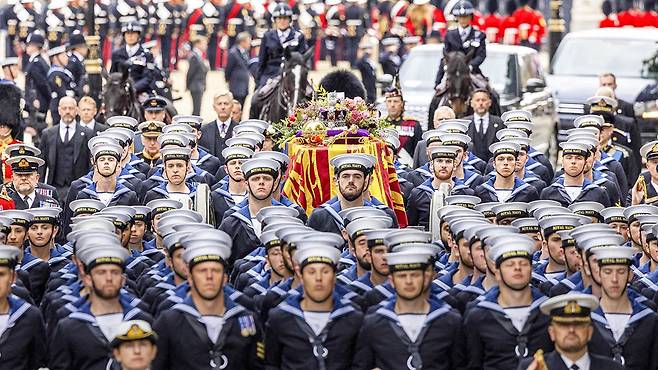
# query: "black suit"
[[480, 141], [81, 158], [196, 80], [554, 362], [98, 127], [212, 141], [237, 74]]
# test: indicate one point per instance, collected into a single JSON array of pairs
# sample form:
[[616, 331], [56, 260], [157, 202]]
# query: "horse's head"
[[294, 77], [118, 94], [458, 75]]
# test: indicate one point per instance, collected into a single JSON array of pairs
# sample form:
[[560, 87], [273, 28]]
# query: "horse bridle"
[[283, 99]]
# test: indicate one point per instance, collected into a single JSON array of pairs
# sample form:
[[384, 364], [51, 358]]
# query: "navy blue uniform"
[[36, 84], [76, 66], [61, 84], [521, 192], [420, 199], [272, 53], [590, 193], [140, 66], [474, 41]]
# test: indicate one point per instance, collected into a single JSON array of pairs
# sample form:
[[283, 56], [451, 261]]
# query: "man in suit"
[[196, 73], [623, 107], [237, 73], [23, 188], [483, 126], [571, 330], [464, 38], [64, 149], [87, 112], [214, 134]]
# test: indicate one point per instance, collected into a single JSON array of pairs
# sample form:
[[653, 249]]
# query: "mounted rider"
[[464, 38], [275, 42]]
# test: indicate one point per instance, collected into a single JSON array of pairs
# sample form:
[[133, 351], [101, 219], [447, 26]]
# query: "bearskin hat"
[[344, 81], [10, 101]]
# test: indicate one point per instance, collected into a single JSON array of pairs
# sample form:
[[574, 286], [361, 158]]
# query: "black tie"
[[26, 199], [481, 126], [66, 135], [574, 367]]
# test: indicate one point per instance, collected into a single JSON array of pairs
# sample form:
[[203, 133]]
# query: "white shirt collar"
[[283, 34], [90, 125], [583, 363], [462, 30], [227, 123], [132, 49], [62, 129], [31, 197]]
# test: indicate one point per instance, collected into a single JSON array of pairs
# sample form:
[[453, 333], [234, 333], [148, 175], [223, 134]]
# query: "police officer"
[[419, 320], [77, 53], [326, 327], [60, 79], [155, 109], [464, 38], [276, 41], [208, 328], [133, 57], [37, 89]]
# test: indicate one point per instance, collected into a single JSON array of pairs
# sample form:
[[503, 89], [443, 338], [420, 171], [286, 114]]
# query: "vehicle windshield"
[[419, 71], [591, 57]]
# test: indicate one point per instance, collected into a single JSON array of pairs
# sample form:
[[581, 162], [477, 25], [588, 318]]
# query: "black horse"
[[459, 85], [279, 96], [119, 98]]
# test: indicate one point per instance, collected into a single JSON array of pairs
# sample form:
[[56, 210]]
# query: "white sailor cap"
[[614, 255], [21, 149], [9, 62], [455, 139], [243, 141], [454, 125], [170, 153], [355, 228], [575, 148], [276, 210], [277, 156], [20, 217], [122, 135], [255, 136], [522, 246], [649, 150], [375, 237], [570, 308], [487, 209], [56, 50], [547, 211], [174, 216], [191, 227], [205, 233], [523, 142], [314, 252], [270, 240], [430, 249], [102, 139], [236, 152], [248, 127], [207, 251], [504, 147], [432, 136], [494, 230], [392, 141], [263, 125], [631, 212], [409, 260], [159, 206], [113, 253], [122, 121], [48, 215], [510, 210], [324, 238], [647, 219], [86, 206], [190, 120], [403, 236], [114, 150], [510, 133], [261, 166], [462, 213], [8, 256], [270, 222], [526, 225], [526, 127], [444, 151], [589, 120], [128, 210], [516, 116], [390, 41], [460, 226], [173, 139], [591, 141], [356, 161], [354, 213], [552, 224], [471, 234], [178, 128], [593, 239], [120, 220], [587, 228], [448, 209], [590, 209], [541, 203], [613, 214], [142, 213], [466, 201]]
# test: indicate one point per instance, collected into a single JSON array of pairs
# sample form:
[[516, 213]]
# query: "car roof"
[[496, 48], [616, 33]]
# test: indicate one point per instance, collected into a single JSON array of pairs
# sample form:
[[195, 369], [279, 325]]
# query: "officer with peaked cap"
[[352, 176], [624, 329], [571, 330], [505, 186], [231, 190], [133, 346], [506, 325], [643, 190], [150, 130], [82, 340], [442, 164], [23, 321], [208, 328], [23, 190], [398, 334], [325, 326], [573, 186], [107, 189]]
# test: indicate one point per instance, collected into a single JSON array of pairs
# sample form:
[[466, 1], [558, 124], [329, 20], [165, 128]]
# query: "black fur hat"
[[606, 7], [492, 6], [344, 81], [10, 101], [510, 6]]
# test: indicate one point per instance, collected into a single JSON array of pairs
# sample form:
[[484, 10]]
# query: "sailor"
[[60, 79], [159, 207], [506, 325], [573, 186], [200, 157], [399, 333], [505, 186], [442, 164], [133, 346], [233, 190], [78, 52], [176, 162], [352, 176], [571, 330], [624, 329], [208, 329], [106, 188], [555, 268], [325, 327], [82, 340]]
